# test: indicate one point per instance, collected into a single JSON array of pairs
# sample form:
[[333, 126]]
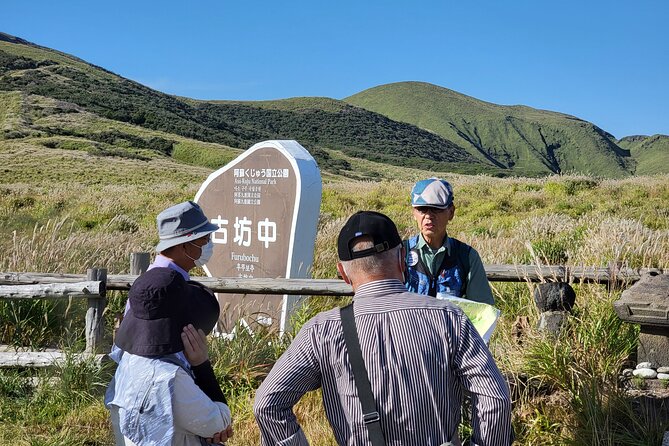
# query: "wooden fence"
[[93, 287]]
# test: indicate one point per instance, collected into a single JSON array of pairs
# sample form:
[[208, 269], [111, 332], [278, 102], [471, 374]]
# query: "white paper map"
[[483, 316]]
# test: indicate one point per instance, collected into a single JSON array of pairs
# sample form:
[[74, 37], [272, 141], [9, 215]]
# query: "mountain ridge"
[[512, 137], [482, 137], [350, 129]]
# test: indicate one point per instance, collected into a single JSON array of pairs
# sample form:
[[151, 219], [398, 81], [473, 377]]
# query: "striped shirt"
[[420, 354]]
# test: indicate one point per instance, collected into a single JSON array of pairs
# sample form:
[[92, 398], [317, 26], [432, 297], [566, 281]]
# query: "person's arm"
[[195, 350], [478, 373], [295, 373], [478, 287], [195, 412], [205, 379], [197, 353]]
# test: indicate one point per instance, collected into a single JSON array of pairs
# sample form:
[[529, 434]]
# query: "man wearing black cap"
[[418, 355]]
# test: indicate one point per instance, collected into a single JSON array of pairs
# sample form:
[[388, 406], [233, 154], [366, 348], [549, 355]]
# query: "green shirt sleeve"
[[478, 288]]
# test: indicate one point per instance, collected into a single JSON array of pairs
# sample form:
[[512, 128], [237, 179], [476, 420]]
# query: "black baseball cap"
[[379, 227]]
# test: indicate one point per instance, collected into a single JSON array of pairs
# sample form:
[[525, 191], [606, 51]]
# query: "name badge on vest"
[[412, 258]]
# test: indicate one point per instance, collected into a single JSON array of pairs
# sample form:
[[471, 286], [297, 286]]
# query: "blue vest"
[[451, 276], [142, 391]]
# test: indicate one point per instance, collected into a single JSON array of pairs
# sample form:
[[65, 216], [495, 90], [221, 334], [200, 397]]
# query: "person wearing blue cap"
[[439, 265]]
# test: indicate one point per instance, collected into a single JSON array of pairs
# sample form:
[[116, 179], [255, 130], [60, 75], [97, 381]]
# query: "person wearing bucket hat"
[[154, 397], [439, 265], [185, 238], [418, 354], [184, 232], [185, 242]]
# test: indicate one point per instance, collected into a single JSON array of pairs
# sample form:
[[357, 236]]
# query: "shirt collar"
[[380, 287], [422, 244], [164, 262]]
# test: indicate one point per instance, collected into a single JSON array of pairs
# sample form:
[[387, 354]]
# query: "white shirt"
[[195, 415]]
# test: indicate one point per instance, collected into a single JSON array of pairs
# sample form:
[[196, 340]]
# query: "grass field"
[[66, 210]]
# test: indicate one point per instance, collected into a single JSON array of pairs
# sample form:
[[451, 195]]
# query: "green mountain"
[[650, 152], [54, 100], [525, 140], [320, 124]]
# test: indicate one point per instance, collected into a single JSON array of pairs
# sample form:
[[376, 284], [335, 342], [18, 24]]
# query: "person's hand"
[[221, 437], [195, 345]]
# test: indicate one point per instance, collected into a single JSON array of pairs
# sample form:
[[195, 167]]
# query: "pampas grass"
[[565, 388]]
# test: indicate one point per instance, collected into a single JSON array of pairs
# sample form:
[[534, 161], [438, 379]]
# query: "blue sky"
[[603, 61]]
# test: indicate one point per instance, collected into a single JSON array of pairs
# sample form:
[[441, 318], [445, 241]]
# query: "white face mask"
[[205, 256]]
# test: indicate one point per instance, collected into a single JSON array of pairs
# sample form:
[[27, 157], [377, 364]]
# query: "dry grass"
[[309, 412], [107, 210], [58, 247]]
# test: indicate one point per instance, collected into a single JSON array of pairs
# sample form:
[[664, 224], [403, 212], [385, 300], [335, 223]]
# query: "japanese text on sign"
[[266, 231], [261, 173]]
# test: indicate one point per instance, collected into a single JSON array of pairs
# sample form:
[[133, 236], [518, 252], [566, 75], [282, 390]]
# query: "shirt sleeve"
[[295, 373], [478, 374], [206, 381], [194, 412], [478, 287]]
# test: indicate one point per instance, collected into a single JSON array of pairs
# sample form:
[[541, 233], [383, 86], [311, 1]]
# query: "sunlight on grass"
[[565, 389]]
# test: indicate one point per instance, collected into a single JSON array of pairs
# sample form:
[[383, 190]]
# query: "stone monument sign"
[[266, 203]]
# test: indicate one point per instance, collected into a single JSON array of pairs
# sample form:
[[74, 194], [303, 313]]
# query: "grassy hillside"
[[319, 124], [59, 209], [523, 139], [41, 122], [650, 152], [407, 124]]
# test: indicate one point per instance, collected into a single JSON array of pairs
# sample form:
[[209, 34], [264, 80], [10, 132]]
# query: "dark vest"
[[451, 276]]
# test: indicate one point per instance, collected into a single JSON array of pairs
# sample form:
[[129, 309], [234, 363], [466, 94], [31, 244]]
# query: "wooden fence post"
[[139, 262], [95, 313]]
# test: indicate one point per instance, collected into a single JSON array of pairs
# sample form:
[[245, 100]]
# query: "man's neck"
[[373, 278], [434, 242], [374, 286], [176, 263]]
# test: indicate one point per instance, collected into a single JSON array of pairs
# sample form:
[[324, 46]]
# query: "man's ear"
[[342, 273], [451, 212]]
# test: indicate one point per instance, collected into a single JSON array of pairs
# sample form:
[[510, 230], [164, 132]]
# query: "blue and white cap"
[[433, 192]]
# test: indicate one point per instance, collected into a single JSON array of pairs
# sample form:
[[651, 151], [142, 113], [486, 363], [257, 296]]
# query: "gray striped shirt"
[[420, 353]]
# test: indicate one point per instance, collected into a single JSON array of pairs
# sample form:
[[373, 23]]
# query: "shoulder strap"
[[409, 244], [370, 414]]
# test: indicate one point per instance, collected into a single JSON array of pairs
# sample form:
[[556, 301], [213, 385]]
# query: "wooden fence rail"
[[11, 359], [336, 287], [53, 290], [93, 286]]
